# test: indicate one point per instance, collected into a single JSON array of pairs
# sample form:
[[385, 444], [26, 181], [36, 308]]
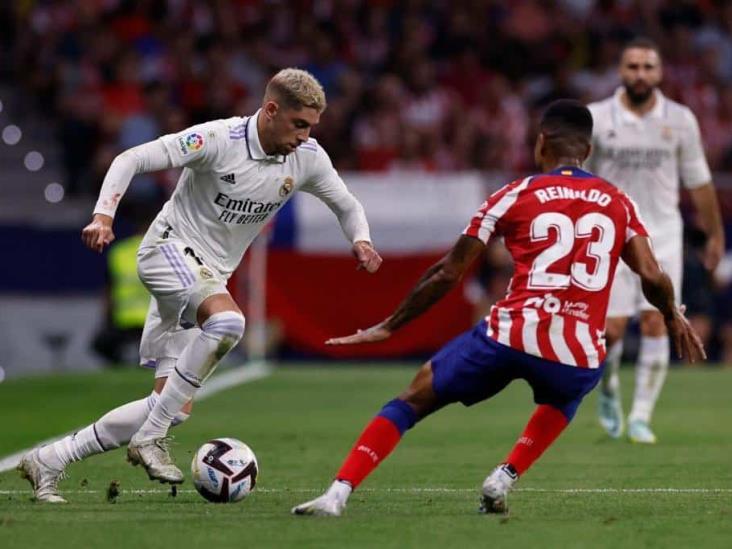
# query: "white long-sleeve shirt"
[[230, 188]]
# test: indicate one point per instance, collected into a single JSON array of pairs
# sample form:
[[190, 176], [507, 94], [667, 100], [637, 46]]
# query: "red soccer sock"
[[542, 430], [375, 443]]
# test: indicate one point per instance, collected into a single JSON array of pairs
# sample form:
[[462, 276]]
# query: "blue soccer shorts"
[[474, 367]]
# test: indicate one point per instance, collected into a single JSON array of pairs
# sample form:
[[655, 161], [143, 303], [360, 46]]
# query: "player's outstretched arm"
[[431, 287], [659, 291], [149, 157]]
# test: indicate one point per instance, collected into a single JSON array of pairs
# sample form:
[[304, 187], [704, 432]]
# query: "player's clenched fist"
[[98, 234], [368, 258]]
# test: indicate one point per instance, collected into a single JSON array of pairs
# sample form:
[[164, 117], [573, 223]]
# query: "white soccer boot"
[[42, 478], [330, 504], [640, 432], [495, 490], [154, 456], [610, 413]]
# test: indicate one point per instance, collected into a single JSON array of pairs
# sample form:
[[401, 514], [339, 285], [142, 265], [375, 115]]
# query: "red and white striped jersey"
[[566, 231]]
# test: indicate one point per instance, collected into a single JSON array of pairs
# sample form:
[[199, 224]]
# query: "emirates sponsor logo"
[[244, 211]]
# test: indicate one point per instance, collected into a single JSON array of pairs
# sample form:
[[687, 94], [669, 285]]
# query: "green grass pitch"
[[302, 420]]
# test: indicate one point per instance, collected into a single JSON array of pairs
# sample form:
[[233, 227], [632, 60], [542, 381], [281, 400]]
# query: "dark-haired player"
[[566, 230], [647, 144]]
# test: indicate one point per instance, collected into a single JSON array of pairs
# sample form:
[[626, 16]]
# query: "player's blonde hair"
[[296, 88]]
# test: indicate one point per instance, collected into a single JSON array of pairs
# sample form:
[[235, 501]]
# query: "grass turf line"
[[301, 421]]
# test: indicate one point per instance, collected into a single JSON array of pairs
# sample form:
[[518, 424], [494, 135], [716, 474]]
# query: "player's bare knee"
[[159, 384], [216, 304], [420, 395], [413, 399]]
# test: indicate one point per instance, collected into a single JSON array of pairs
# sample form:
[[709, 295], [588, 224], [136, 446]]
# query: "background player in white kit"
[[645, 144], [237, 173]]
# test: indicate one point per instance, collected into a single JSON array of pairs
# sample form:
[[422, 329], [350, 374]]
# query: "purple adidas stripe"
[[222, 324], [185, 278], [224, 333], [182, 262], [172, 263], [224, 328]]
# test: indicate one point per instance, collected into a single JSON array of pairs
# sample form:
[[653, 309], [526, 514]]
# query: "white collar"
[[658, 111], [254, 145]]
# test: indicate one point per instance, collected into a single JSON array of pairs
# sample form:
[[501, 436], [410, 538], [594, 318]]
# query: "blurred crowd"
[[413, 84], [436, 85]]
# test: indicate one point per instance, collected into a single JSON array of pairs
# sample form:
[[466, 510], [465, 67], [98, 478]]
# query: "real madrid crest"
[[287, 186], [667, 133], [206, 274]]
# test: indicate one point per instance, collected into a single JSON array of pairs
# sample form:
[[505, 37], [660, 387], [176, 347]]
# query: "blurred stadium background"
[[431, 106]]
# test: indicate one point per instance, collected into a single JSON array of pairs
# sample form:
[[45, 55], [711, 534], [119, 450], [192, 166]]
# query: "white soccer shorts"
[[626, 295], [179, 282]]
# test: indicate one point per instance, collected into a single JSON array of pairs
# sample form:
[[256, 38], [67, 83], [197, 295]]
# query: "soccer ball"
[[224, 470]]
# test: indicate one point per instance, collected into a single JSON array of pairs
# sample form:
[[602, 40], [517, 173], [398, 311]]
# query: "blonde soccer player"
[[237, 173]]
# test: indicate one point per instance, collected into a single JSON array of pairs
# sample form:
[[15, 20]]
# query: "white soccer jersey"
[[648, 157], [230, 188]]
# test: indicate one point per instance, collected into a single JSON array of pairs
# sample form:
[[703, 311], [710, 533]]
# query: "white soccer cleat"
[[330, 504], [322, 506], [610, 414], [640, 432], [154, 456], [42, 478], [495, 490]]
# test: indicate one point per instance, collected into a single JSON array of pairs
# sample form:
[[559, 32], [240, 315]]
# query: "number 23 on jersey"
[[599, 244]]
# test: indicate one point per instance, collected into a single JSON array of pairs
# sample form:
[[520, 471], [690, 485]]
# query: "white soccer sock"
[[610, 384], [650, 374], [180, 417], [110, 431], [218, 335]]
